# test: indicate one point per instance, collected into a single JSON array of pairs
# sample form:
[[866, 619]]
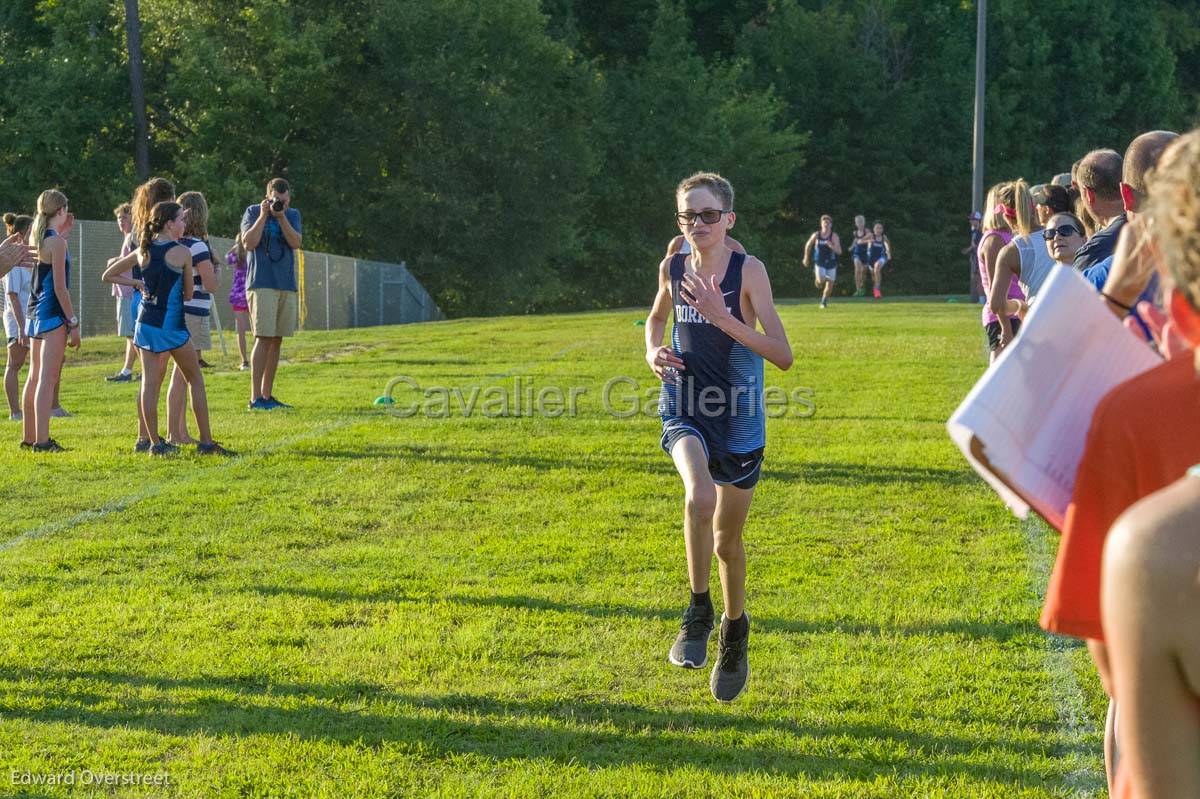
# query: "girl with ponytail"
[[50, 323], [145, 197], [1001, 216], [165, 284]]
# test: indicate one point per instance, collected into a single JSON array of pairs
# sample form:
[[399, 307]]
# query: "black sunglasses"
[[1062, 230], [709, 216]]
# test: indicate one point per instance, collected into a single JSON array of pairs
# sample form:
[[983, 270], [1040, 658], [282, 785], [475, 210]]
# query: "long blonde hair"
[[49, 203], [1015, 195], [1024, 206], [993, 219]]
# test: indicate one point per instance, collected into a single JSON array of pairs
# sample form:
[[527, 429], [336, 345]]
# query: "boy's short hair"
[[122, 209], [826, 216], [719, 186], [278, 184]]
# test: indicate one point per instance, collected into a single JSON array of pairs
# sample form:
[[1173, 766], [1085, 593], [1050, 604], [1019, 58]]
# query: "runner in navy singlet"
[[858, 251], [712, 412], [50, 320], [879, 253], [826, 246]]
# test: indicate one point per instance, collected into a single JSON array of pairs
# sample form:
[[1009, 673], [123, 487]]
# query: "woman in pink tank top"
[[999, 217]]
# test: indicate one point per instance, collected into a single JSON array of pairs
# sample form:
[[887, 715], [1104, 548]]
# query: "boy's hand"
[[665, 364], [705, 296]]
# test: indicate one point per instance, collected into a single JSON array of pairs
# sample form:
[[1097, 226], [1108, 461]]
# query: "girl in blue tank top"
[[159, 332], [713, 419], [859, 252], [879, 253], [50, 320]]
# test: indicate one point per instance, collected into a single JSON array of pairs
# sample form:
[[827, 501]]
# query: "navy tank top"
[[877, 250], [43, 302], [826, 257], [720, 393], [162, 303], [859, 250]]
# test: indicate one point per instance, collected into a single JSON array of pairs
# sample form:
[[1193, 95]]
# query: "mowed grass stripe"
[[482, 607]]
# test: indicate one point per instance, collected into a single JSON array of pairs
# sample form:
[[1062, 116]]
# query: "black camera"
[[277, 205]]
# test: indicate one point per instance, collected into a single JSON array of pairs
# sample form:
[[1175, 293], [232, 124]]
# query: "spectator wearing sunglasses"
[[1145, 433], [1151, 598], [1064, 236]]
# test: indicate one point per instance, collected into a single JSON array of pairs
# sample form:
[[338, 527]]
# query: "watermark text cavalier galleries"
[[621, 396]]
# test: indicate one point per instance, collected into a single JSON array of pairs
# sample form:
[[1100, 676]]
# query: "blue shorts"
[[156, 339], [740, 469], [36, 328]]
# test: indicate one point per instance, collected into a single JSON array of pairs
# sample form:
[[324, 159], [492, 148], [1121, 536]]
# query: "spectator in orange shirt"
[[1151, 599], [1144, 434]]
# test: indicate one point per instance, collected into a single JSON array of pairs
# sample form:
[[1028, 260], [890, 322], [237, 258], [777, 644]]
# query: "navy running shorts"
[[740, 469]]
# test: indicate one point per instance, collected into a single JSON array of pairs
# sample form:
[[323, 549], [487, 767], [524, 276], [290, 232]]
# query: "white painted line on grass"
[[1075, 725], [126, 502]]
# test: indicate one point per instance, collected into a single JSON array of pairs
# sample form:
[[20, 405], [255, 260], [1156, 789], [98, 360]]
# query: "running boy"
[[828, 247], [711, 405]]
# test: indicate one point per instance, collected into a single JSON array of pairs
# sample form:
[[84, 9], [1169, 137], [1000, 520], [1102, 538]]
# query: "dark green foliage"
[[522, 155]]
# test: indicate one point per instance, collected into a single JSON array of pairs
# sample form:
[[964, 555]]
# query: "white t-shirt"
[[20, 282], [1036, 262]]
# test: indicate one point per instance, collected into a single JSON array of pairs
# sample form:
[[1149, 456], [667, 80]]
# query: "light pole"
[[980, 70], [137, 90]]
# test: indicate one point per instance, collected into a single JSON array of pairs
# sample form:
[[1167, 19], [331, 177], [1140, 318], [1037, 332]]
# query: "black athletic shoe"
[[26, 445], [120, 378], [163, 448], [732, 671], [49, 445], [203, 363], [213, 449], [690, 649], [142, 445]]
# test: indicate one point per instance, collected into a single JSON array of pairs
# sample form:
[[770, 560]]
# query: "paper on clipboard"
[[1024, 425]]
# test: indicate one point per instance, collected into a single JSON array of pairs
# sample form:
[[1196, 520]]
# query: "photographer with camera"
[[271, 234]]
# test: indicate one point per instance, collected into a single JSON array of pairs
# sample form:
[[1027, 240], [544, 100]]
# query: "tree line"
[[521, 155]]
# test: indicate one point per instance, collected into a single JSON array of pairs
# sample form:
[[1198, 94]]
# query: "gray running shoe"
[[60, 413], [690, 649], [732, 671]]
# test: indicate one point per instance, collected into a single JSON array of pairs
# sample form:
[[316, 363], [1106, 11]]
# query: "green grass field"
[[363, 605]]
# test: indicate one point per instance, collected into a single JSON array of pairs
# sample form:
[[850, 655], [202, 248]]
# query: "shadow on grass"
[[996, 631], [566, 730], [843, 474]]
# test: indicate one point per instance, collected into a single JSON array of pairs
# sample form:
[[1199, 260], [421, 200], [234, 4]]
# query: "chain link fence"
[[339, 292]]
